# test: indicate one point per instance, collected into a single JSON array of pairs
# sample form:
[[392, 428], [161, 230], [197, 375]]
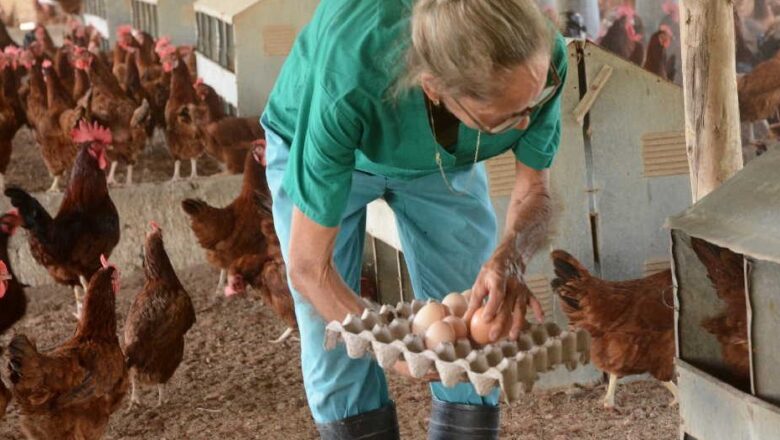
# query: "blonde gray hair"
[[465, 44]]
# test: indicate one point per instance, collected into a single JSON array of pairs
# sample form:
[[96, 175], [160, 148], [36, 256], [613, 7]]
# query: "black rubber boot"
[[453, 421], [380, 424]]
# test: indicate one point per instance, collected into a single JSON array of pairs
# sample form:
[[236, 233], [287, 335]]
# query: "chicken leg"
[[609, 399], [672, 389], [111, 180], [133, 393], [55, 186], [160, 399], [129, 180], [2, 181], [194, 171], [284, 336], [77, 313], [176, 171], [221, 282]]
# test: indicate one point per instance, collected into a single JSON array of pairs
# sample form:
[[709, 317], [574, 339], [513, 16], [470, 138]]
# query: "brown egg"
[[480, 330], [456, 303], [437, 333], [459, 325], [427, 315]]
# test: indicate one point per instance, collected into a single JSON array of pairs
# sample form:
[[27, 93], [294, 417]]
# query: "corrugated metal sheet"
[[743, 214], [664, 154]]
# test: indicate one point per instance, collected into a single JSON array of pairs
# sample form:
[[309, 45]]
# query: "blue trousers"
[[446, 237]]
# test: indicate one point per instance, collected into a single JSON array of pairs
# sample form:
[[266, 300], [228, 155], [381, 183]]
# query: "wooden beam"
[[594, 90], [710, 83]]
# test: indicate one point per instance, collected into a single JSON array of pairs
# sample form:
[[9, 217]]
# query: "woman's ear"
[[426, 82]]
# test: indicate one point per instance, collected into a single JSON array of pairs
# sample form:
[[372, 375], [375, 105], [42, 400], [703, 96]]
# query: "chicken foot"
[[55, 186], [129, 180], [134, 400], [672, 387], [609, 399], [194, 165], [284, 336]]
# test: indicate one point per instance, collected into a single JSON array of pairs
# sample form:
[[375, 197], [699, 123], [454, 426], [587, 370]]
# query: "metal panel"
[[742, 214], [631, 207], [712, 410], [763, 279], [388, 283], [664, 154], [697, 301]]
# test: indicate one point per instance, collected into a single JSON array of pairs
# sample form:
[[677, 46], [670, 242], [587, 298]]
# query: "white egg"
[[427, 315], [437, 333]]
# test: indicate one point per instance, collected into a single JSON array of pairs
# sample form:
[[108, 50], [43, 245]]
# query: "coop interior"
[[649, 331]]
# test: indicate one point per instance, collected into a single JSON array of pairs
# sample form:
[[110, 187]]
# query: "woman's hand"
[[508, 299]]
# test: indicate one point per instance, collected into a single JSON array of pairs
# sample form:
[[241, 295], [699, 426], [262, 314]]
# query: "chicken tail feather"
[[20, 352], [34, 215], [194, 206], [567, 268]]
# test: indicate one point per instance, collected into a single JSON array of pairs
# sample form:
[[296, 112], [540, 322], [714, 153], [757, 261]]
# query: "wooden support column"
[[710, 83]]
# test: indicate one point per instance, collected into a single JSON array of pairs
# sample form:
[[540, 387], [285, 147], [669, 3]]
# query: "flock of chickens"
[[138, 87], [89, 111]]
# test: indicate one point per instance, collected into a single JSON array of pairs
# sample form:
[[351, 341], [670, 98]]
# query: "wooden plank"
[[594, 90]]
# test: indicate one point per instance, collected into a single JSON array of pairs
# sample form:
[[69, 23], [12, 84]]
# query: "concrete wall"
[[137, 206]]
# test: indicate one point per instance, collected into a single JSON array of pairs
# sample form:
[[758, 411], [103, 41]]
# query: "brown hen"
[[70, 392], [631, 322], [233, 231], [157, 321], [86, 226]]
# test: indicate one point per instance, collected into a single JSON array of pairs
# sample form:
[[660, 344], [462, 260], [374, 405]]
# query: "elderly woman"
[[402, 100]]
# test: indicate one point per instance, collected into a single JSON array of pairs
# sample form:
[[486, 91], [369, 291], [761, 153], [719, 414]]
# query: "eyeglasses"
[[554, 83]]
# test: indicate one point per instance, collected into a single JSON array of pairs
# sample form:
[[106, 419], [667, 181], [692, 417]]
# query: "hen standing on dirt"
[[157, 321], [70, 392], [631, 322], [230, 232], [70, 245]]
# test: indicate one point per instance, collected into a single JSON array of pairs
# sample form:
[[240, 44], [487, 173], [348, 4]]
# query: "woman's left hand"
[[508, 300]]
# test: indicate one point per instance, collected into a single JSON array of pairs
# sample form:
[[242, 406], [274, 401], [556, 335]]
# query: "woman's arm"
[[312, 272], [527, 225]]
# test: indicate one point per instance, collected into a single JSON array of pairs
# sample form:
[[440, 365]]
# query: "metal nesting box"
[[242, 45], [742, 215], [172, 18]]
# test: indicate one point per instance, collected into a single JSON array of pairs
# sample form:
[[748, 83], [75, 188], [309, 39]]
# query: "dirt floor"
[[155, 164], [234, 384]]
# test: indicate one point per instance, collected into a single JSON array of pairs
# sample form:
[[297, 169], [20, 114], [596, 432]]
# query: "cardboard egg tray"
[[386, 333]]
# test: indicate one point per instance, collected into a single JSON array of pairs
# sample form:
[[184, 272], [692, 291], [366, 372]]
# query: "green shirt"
[[333, 105]]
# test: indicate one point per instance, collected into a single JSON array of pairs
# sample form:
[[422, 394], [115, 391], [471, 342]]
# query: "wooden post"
[[710, 83]]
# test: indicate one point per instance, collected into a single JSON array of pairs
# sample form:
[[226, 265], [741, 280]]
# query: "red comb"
[[87, 132], [124, 29], [162, 41], [625, 11], [13, 211], [105, 263], [155, 227], [46, 64], [197, 82], [665, 28]]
